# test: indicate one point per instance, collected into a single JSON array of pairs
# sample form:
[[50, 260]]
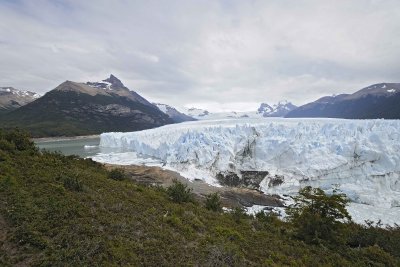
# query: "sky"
[[220, 55]]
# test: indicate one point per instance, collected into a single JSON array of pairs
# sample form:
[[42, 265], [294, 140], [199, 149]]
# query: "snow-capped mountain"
[[197, 112], [173, 113], [113, 85], [265, 110], [373, 102], [276, 110], [201, 114], [11, 98]]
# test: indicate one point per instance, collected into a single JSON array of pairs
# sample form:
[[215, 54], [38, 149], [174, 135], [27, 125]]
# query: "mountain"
[[276, 110], [201, 114], [11, 98], [74, 108], [197, 113], [265, 110], [113, 85], [373, 102], [174, 114]]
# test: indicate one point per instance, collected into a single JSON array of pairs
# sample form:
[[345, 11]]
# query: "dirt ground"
[[230, 196]]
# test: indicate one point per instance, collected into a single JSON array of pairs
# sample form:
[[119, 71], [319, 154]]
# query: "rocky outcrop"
[[247, 179]]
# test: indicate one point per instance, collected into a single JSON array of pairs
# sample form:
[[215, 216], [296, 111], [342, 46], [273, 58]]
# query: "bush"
[[224, 255], [21, 140], [268, 217], [72, 183], [6, 146], [179, 192], [213, 202], [117, 174], [238, 214], [374, 234], [317, 216]]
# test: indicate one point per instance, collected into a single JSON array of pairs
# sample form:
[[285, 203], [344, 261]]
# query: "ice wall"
[[361, 156]]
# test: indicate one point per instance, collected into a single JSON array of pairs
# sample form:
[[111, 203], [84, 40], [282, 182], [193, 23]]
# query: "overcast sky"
[[219, 55]]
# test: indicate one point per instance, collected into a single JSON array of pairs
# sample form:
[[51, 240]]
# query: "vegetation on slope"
[[68, 113], [58, 210]]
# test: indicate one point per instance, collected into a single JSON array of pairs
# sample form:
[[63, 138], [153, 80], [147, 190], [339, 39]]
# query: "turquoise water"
[[83, 147]]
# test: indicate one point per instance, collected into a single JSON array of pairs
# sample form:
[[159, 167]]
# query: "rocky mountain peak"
[[276, 110], [11, 98], [173, 113], [264, 107], [114, 81], [108, 84]]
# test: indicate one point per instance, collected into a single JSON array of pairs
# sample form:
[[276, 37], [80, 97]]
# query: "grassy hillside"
[[57, 210]]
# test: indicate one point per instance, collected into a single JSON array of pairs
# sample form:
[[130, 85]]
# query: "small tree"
[[317, 216], [213, 202], [179, 192], [117, 174]]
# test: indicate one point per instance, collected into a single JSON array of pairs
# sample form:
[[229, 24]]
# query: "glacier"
[[360, 157]]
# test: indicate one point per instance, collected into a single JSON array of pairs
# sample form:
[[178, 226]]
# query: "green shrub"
[[318, 216], [224, 255], [33, 238], [228, 233], [21, 140], [377, 254], [374, 234], [213, 202], [72, 183], [179, 192], [117, 174], [238, 214], [6, 145], [268, 217]]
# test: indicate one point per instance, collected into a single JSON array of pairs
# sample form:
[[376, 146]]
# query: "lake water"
[[83, 147]]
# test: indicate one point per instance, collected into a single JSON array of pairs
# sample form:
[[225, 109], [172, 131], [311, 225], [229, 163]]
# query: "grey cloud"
[[208, 53]]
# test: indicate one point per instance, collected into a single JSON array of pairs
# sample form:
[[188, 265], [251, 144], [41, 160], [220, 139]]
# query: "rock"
[[248, 179]]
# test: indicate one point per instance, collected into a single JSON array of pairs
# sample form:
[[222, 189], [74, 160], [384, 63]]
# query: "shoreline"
[[64, 138]]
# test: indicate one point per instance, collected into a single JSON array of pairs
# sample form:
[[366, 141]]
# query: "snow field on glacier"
[[361, 157]]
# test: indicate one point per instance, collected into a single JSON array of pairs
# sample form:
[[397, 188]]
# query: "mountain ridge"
[[372, 102], [11, 98], [173, 113], [74, 108], [265, 110]]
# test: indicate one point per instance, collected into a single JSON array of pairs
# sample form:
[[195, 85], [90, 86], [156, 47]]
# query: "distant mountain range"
[[11, 98], [265, 110], [373, 102], [276, 110], [74, 108], [173, 113]]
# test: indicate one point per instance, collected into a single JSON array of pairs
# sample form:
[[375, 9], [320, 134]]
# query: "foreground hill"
[[86, 108], [65, 211], [11, 98], [373, 102]]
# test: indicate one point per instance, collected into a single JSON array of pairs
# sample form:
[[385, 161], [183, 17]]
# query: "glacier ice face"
[[362, 157]]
